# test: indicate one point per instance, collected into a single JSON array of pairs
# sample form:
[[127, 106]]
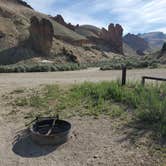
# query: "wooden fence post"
[[123, 75], [143, 81]]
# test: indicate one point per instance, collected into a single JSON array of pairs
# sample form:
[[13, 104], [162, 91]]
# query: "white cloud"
[[41, 5], [135, 15], [80, 18]]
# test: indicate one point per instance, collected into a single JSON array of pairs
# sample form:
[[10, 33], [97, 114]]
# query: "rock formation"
[[163, 51], [41, 35], [155, 39], [61, 21], [113, 36], [164, 48], [2, 35], [136, 43], [24, 3]]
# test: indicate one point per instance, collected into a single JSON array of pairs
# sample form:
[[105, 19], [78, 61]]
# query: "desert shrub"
[[19, 69], [130, 63], [114, 64], [87, 48], [153, 66], [41, 67]]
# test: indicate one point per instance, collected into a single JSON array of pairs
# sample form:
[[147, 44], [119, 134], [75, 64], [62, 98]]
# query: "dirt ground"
[[14, 80], [92, 142]]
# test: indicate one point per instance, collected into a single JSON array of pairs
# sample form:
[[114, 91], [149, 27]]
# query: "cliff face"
[[26, 34], [61, 21], [155, 39], [163, 51], [113, 36], [136, 43], [41, 35]]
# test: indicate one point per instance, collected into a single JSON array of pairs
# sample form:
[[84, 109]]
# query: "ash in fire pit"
[[48, 131]]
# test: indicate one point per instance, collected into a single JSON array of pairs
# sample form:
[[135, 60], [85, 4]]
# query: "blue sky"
[[136, 16]]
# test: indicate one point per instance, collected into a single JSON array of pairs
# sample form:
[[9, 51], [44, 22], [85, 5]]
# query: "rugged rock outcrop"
[[136, 43], [20, 2], [155, 39], [24, 3], [2, 35], [41, 35], [164, 48], [61, 21], [163, 51], [113, 36]]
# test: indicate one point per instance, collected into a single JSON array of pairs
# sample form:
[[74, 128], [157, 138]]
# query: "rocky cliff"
[[163, 51], [155, 39], [113, 36], [61, 20], [136, 43], [26, 34], [41, 35]]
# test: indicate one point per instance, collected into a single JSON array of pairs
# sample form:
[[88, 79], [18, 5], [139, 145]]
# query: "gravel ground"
[[17, 80], [92, 142]]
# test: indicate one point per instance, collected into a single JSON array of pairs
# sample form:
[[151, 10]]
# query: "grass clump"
[[21, 102]]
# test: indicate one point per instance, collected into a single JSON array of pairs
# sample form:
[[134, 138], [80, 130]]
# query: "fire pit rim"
[[51, 135]]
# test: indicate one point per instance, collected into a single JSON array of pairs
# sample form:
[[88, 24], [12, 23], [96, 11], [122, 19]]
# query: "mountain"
[[162, 52], [155, 39], [26, 34], [138, 44]]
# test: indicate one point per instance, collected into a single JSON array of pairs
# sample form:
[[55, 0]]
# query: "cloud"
[[44, 6], [136, 16]]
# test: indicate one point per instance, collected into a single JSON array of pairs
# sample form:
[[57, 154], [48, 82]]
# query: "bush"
[[130, 63], [41, 68], [114, 64]]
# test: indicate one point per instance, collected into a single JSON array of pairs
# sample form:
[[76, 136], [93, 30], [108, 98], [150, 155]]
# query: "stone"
[[41, 35], [113, 36], [163, 50], [137, 43], [61, 21]]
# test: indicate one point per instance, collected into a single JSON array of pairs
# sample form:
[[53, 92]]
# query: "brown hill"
[[155, 39], [138, 44], [26, 33], [162, 53]]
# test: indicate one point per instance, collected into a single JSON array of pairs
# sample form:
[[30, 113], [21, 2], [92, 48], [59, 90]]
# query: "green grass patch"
[[148, 104]]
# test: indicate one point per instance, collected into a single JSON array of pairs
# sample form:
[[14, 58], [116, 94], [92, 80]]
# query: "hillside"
[[138, 44], [64, 43], [88, 31], [155, 39]]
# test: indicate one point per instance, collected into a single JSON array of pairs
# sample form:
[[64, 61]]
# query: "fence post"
[[123, 75], [143, 81]]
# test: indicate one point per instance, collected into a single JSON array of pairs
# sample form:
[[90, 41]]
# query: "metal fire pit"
[[49, 131]]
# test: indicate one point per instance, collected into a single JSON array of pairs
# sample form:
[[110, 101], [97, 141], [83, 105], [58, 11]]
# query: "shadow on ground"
[[140, 132], [15, 54], [25, 147]]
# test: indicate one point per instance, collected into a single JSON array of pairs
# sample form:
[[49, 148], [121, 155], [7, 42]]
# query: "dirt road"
[[93, 142], [14, 80]]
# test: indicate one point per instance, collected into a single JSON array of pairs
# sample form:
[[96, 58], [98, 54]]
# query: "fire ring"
[[49, 131]]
